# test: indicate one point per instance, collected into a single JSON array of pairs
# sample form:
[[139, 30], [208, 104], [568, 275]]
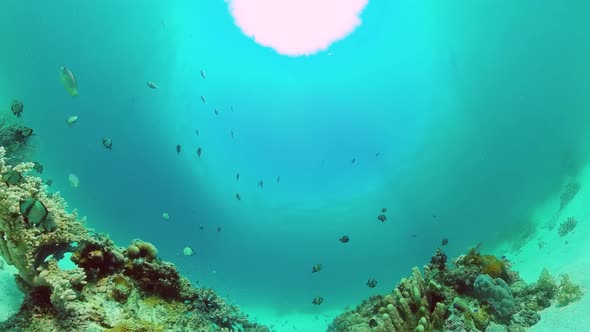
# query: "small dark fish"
[[353, 160], [178, 148], [316, 268], [238, 197], [12, 178], [231, 108], [232, 133], [373, 323], [344, 239], [107, 142], [203, 74], [197, 132], [203, 99], [434, 216], [17, 108], [317, 300], [25, 132], [218, 229], [414, 235], [372, 282], [49, 182], [383, 210], [278, 179], [201, 227], [261, 184], [216, 111], [238, 176], [475, 310], [199, 152], [444, 241], [377, 154], [38, 167], [382, 218]]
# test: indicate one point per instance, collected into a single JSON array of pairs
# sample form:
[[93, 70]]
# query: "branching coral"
[[24, 245]]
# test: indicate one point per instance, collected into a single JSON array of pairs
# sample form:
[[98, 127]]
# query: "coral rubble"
[[109, 288], [478, 293]]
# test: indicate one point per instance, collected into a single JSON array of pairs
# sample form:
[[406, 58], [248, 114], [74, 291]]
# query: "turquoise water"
[[478, 112]]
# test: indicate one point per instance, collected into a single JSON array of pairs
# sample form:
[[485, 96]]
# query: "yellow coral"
[[480, 318], [492, 266]]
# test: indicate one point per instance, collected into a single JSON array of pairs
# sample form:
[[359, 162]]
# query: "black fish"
[[107, 142], [197, 132], [353, 160], [377, 154], [317, 300], [373, 323], [344, 239], [316, 268], [178, 148], [372, 283], [199, 152], [12, 178], [38, 167], [382, 217], [383, 210], [261, 184], [17, 108], [232, 133], [278, 179], [238, 197], [238, 176], [218, 229], [444, 241], [24, 132], [216, 112], [201, 227], [48, 182], [33, 211]]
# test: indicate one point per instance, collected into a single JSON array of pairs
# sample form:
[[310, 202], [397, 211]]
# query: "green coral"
[[567, 291]]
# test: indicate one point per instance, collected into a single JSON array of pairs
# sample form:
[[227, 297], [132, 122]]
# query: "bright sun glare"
[[297, 27]]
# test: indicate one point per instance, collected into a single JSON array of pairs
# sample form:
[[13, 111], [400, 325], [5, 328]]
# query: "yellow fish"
[[69, 81]]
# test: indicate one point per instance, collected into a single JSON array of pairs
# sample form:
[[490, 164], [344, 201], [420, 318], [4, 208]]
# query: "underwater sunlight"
[[297, 27]]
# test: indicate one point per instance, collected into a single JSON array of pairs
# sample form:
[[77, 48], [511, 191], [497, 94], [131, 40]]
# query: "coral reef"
[[479, 293], [567, 226], [109, 288]]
